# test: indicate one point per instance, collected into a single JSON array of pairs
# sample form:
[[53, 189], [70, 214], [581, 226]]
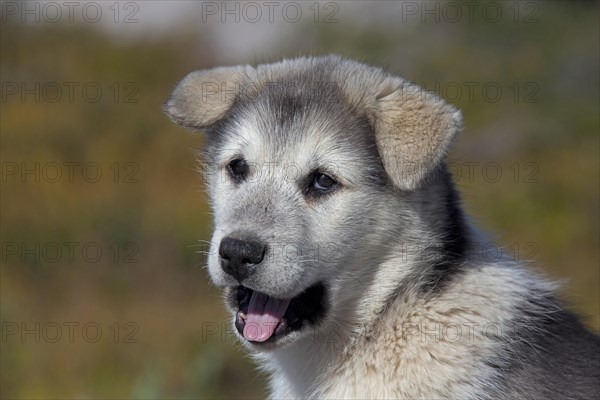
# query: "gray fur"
[[391, 243]]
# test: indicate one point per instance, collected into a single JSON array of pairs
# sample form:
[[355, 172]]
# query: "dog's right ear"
[[204, 97]]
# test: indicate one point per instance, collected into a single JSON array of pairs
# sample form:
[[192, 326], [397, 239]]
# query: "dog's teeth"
[[243, 315]]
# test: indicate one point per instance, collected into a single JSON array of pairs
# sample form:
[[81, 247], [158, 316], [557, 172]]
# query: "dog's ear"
[[204, 97], [413, 131]]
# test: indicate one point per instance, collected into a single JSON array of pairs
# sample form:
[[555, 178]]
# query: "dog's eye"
[[238, 169], [323, 182]]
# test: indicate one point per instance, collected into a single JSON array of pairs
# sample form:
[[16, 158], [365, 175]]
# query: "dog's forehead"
[[304, 145], [305, 122]]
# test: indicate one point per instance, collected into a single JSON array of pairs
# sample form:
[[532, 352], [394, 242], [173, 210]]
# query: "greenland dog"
[[345, 258]]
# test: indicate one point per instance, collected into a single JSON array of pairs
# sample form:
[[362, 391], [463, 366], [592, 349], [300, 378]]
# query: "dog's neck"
[[411, 273], [335, 362]]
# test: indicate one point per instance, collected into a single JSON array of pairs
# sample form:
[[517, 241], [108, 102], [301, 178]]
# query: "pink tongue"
[[264, 313]]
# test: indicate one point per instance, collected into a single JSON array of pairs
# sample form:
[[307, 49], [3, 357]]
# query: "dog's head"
[[304, 158]]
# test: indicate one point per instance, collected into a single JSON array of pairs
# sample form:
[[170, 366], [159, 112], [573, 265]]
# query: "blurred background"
[[103, 290]]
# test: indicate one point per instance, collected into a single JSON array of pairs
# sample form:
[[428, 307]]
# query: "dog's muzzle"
[[261, 317]]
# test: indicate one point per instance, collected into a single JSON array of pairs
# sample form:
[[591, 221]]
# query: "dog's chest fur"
[[444, 347]]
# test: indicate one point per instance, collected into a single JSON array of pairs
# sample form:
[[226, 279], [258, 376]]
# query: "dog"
[[345, 257]]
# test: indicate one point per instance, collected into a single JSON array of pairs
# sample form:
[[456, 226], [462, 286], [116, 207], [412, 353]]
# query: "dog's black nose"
[[239, 257]]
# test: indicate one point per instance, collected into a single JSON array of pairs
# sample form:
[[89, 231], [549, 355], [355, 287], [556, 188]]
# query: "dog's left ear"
[[413, 129]]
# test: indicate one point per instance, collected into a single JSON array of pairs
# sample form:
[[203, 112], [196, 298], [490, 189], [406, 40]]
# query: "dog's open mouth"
[[262, 318]]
